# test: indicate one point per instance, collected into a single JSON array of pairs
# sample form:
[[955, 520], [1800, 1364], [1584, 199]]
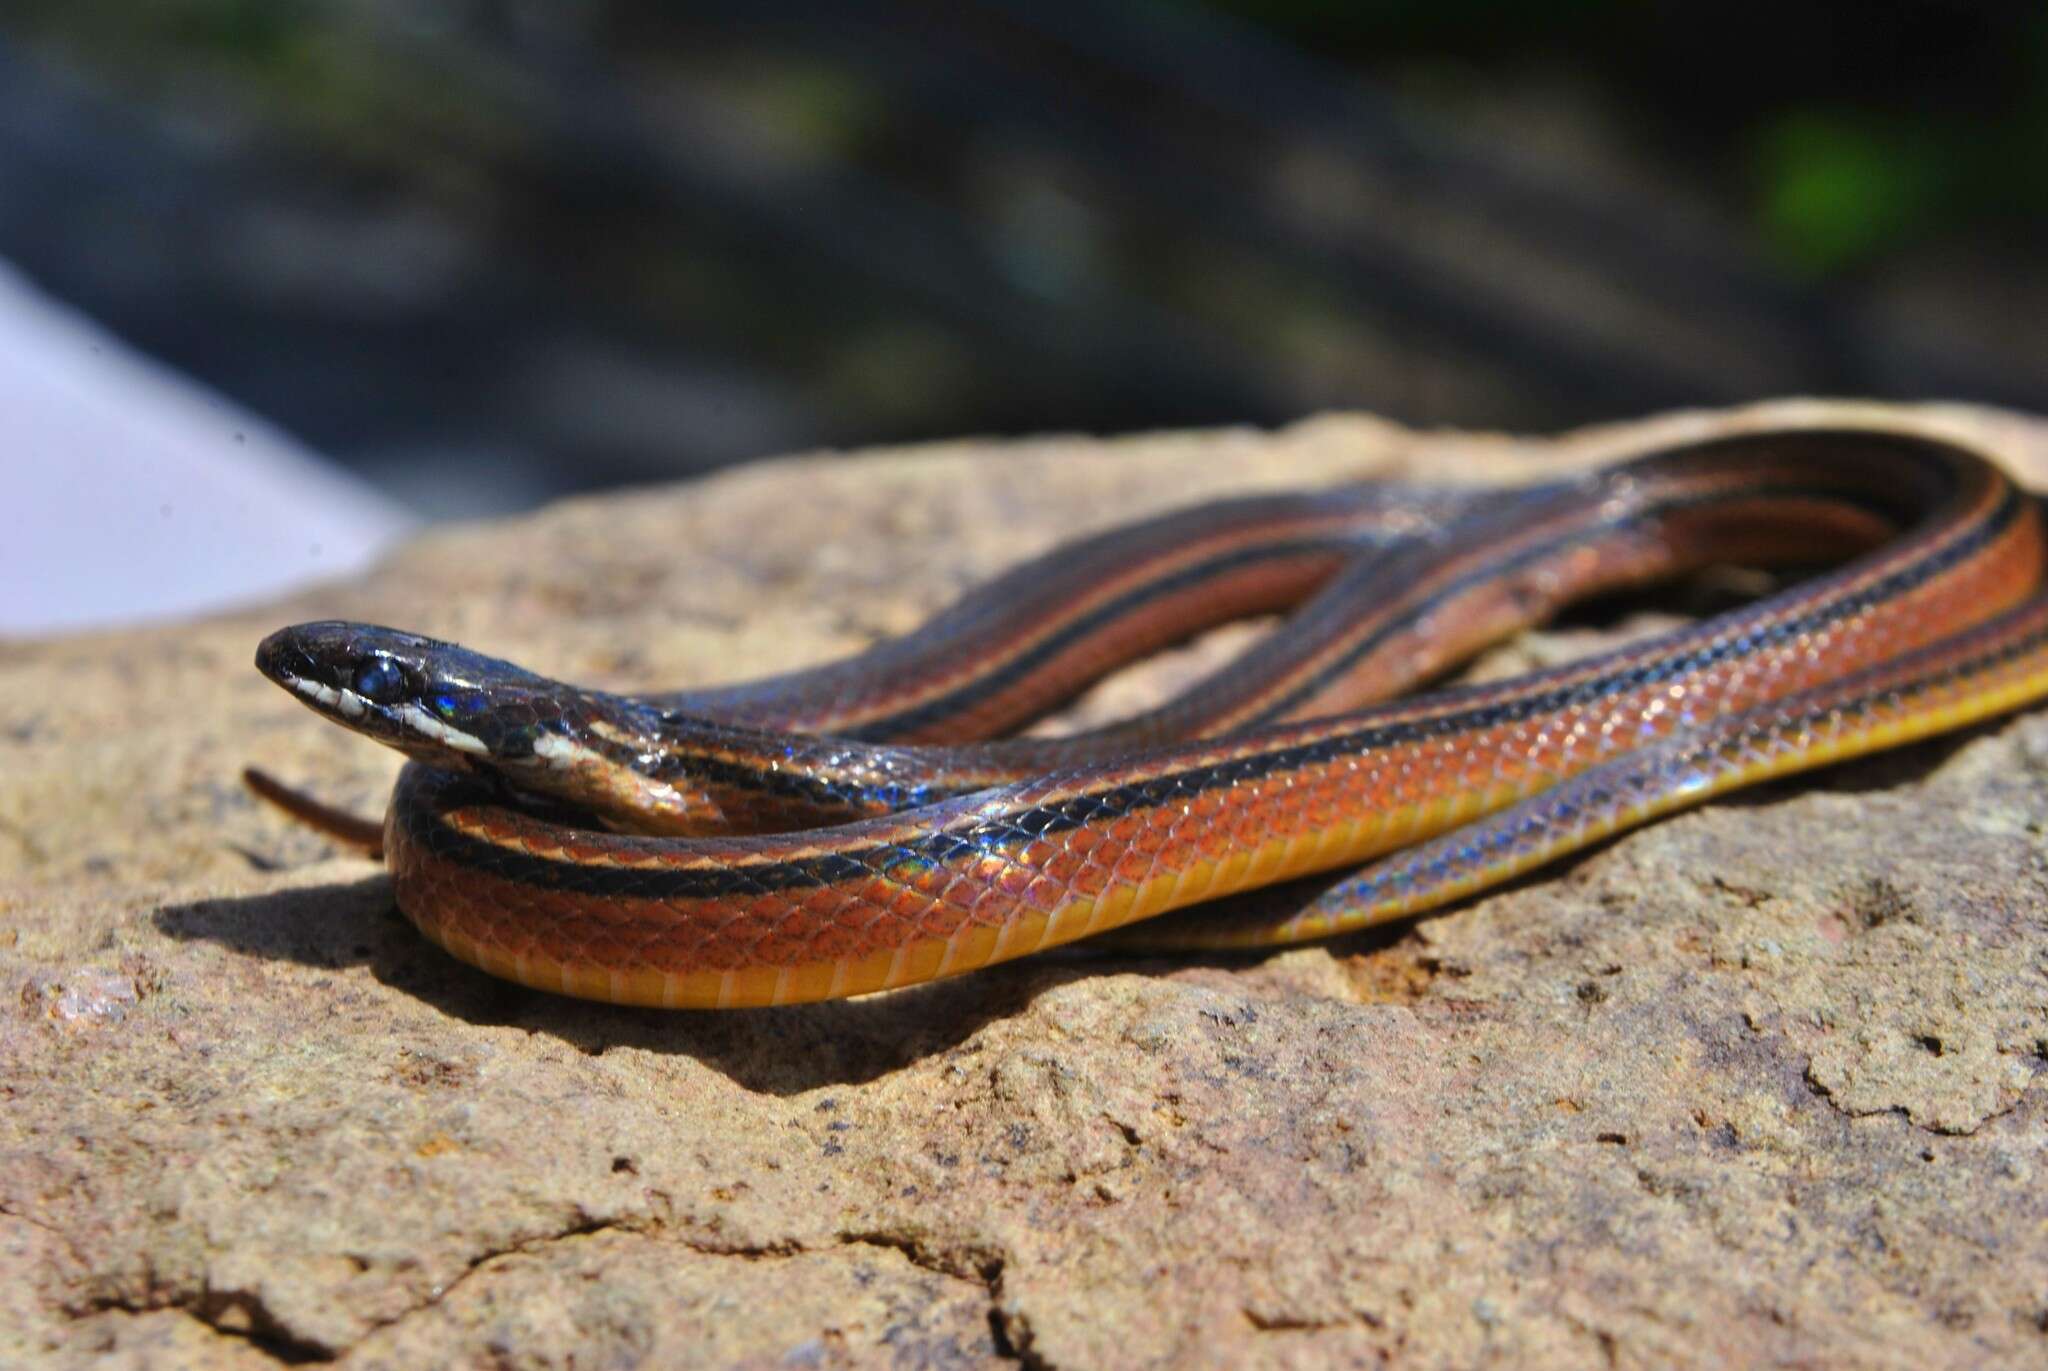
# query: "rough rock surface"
[[1757, 1084]]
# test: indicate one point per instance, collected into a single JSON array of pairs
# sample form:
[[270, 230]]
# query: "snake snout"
[[344, 670], [287, 655], [432, 700]]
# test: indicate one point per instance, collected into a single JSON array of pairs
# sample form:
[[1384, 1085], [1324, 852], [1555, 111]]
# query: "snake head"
[[434, 701]]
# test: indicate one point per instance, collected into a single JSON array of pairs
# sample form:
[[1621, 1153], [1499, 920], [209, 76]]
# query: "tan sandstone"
[[1757, 1084]]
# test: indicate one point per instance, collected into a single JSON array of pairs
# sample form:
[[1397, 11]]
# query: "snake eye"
[[379, 680]]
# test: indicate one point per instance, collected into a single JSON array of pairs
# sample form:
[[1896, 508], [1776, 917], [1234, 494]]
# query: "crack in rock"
[[245, 1316], [240, 1315]]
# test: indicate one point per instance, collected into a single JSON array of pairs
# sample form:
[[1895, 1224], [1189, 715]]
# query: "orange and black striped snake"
[[844, 830]]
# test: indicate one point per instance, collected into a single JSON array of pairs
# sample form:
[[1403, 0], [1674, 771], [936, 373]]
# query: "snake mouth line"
[[406, 717]]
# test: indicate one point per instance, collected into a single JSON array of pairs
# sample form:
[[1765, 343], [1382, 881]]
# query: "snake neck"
[[644, 769]]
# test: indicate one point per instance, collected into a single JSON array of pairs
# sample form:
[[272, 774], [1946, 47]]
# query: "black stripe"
[[973, 836], [1337, 667], [808, 785], [919, 716], [1829, 444], [1860, 705], [1592, 791]]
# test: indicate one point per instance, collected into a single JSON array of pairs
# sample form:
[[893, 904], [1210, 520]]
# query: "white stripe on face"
[[562, 754], [411, 717], [346, 703], [427, 726]]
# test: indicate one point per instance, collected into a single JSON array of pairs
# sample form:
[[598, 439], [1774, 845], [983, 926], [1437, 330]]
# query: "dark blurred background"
[[485, 251]]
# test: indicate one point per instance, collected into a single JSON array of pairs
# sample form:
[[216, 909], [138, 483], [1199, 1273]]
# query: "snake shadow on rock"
[[796, 1048], [784, 1050]]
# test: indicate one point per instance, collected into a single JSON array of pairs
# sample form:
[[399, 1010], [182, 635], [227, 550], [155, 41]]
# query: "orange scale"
[[882, 936], [741, 925], [836, 942], [522, 940], [787, 946], [1133, 867], [683, 956], [959, 893], [673, 956], [1049, 892], [1008, 880], [644, 943], [1153, 837], [881, 927], [990, 911], [823, 907], [605, 950], [929, 879], [900, 900], [1248, 825], [1083, 840], [945, 921], [1090, 878], [1063, 863], [1126, 829]]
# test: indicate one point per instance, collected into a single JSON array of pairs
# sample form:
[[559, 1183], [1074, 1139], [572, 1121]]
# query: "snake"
[[842, 831]]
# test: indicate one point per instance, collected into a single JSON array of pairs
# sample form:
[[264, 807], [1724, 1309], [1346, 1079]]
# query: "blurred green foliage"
[[310, 67], [1847, 129], [1836, 188], [642, 236]]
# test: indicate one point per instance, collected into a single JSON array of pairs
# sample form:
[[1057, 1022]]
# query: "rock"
[[1755, 1084]]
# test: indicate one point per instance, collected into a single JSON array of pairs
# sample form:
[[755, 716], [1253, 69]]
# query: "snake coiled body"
[[1276, 773]]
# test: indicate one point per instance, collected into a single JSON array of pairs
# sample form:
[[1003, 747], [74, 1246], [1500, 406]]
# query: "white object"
[[129, 493]]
